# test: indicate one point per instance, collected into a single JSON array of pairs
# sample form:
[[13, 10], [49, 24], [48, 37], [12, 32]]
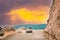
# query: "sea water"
[[33, 26]]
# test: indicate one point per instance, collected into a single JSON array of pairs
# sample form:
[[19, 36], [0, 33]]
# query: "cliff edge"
[[52, 30]]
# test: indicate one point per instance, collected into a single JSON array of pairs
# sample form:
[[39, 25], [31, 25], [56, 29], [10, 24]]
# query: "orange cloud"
[[29, 16]]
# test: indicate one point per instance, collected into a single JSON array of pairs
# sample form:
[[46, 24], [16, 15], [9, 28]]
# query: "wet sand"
[[36, 35]]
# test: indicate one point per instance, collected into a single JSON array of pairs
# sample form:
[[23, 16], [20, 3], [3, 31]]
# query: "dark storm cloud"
[[4, 19], [7, 5]]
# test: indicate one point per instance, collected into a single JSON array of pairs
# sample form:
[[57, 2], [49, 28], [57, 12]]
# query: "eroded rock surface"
[[53, 28]]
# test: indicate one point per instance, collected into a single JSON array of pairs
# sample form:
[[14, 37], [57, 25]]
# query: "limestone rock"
[[53, 23]]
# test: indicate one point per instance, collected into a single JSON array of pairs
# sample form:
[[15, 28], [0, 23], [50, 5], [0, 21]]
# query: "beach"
[[36, 35], [7, 34]]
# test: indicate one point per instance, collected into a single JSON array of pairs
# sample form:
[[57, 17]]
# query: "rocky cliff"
[[53, 23]]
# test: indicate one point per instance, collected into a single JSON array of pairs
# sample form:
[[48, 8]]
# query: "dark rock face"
[[1, 32], [53, 28]]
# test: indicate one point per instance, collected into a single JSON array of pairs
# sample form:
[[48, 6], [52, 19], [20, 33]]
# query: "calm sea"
[[33, 26]]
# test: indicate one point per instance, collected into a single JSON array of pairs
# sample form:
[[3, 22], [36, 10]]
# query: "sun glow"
[[29, 16]]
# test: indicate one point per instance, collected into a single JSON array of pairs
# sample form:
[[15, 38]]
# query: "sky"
[[14, 12]]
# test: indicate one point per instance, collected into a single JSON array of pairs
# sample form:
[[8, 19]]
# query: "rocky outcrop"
[[8, 29], [53, 23]]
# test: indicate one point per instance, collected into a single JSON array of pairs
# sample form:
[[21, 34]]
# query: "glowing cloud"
[[29, 16]]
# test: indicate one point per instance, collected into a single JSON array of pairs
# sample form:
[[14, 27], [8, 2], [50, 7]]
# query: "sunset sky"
[[14, 12]]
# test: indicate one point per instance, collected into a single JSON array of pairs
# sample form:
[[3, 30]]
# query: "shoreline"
[[7, 34], [35, 35]]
